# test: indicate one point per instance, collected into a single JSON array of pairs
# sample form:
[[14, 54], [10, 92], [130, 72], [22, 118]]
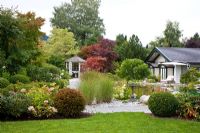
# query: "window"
[[75, 66]]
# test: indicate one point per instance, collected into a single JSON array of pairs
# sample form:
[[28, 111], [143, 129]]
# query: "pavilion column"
[[79, 69], [70, 68]]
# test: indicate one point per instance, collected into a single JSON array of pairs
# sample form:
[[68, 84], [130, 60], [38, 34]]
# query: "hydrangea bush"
[[122, 92]]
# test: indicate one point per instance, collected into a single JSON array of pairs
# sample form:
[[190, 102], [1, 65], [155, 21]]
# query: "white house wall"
[[160, 59], [170, 72], [156, 72]]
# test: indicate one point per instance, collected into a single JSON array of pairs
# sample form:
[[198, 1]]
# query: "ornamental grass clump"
[[69, 102], [96, 87]]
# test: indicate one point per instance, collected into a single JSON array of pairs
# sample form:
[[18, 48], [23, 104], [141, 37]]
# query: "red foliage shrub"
[[94, 63], [69, 102], [103, 49]]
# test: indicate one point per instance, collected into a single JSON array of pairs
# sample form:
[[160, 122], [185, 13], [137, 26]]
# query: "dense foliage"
[[80, 17], [163, 104], [191, 75], [70, 103], [4, 82], [14, 105], [19, 78], [133, 69], [189, 105]]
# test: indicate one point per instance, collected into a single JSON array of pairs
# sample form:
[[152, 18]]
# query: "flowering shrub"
[[121, 92], [42, 103]]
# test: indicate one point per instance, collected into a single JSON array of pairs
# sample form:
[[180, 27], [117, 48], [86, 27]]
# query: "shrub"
[[4, 82], [46, 73], [189, 105], [133, 69], [96, 86], [163, 104], [14, 105], [121, 92], [19, 78], [192, 75], [42, 103], [60, 83], [69, 102]]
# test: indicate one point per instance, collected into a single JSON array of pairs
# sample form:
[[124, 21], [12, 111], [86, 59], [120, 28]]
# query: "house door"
[[163, 73]]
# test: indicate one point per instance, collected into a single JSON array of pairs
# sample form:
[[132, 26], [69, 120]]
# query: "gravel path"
[[117, 106], [74, 83]]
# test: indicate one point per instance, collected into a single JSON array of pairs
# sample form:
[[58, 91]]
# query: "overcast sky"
[[145, 18]]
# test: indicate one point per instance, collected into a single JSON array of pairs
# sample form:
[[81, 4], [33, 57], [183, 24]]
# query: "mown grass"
[[104, 123]]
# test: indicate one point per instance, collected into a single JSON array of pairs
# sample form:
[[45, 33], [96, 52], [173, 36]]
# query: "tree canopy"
[[172, 35], [193, 42], [19, 38], [128, 49], [80, 17], [60, 46]]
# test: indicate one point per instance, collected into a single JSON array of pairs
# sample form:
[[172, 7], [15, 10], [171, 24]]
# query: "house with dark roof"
[[172, 62]]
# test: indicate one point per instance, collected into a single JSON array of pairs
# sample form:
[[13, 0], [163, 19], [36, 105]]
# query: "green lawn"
[[104, 123]]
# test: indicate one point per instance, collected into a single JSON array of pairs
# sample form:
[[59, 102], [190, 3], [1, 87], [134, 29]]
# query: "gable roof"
[[185, 55], [75, 59]]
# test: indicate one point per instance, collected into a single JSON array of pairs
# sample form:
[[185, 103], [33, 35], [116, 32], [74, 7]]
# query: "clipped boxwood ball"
[[163, 104], [69, 102]]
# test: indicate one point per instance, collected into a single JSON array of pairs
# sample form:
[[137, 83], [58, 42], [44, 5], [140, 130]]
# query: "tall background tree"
[[82, 18], [193, 42], [172, 37], [60, 46], [128, 49], [19, 38]]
